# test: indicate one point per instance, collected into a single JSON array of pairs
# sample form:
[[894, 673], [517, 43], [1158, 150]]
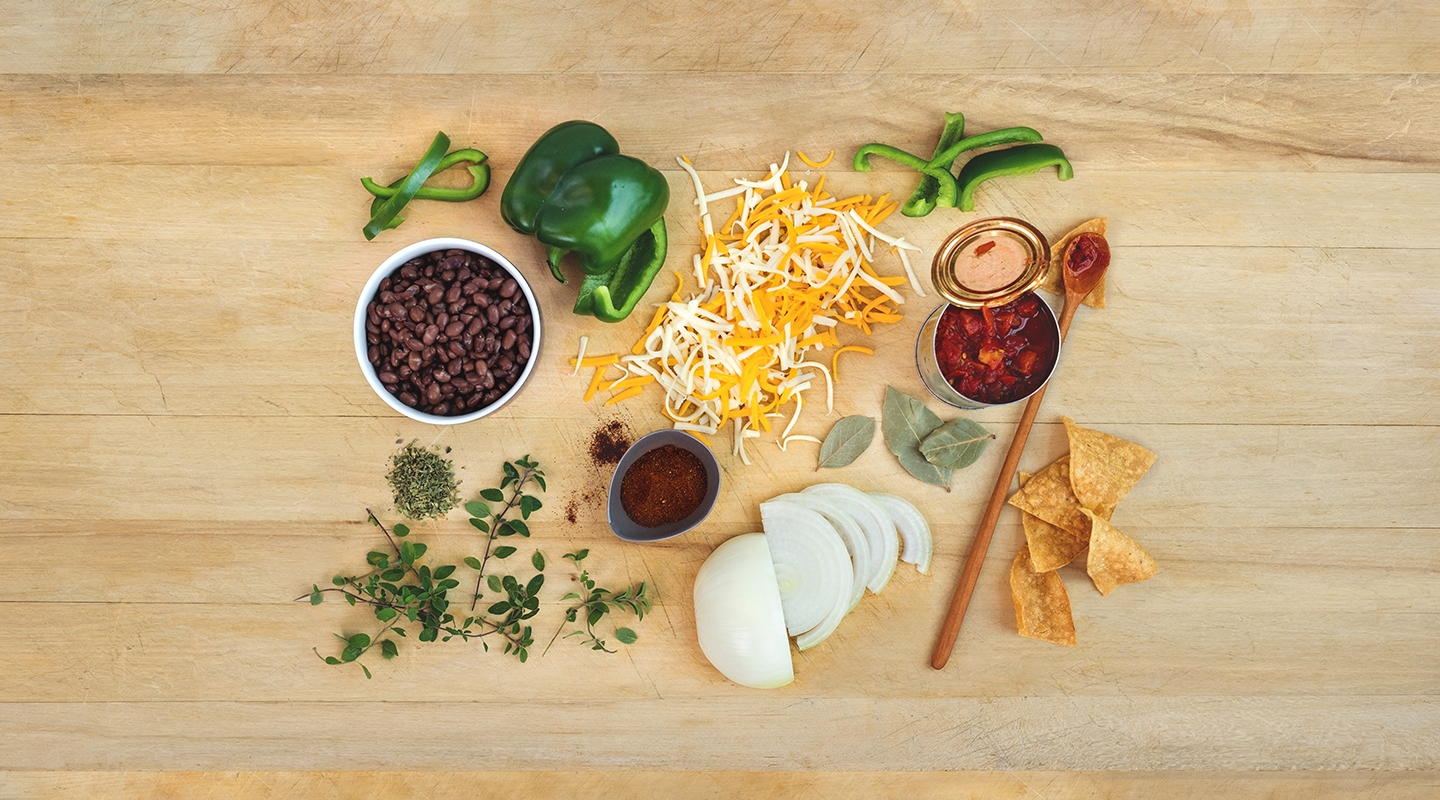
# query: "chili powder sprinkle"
[[663, 486]]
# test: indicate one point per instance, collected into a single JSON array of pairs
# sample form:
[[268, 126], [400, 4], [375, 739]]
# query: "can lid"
[[990, 262]]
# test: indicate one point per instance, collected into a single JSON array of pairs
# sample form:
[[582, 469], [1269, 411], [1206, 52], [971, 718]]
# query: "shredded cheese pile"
[[776, 281]]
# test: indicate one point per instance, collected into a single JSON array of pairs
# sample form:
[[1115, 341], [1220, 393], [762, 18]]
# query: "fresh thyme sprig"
[[595, 603], [400, 591], [494, 523]]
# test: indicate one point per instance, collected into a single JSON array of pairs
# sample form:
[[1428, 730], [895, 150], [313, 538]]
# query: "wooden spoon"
[[1085, 260]]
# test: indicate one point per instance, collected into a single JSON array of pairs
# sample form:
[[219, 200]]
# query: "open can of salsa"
[[997, 341]]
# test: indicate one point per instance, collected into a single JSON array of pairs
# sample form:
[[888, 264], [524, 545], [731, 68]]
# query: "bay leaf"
[[906, 422], [956, 444], [850, 437]]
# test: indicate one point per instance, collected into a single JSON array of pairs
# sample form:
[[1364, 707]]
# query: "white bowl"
[[372, 287]]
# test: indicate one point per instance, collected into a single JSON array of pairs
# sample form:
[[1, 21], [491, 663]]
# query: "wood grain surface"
[[187, 444]]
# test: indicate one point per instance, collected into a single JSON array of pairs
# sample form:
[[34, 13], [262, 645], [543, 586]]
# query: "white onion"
[[812, 568], [879, 530], [912, 526], [850, 533], [738, 615]]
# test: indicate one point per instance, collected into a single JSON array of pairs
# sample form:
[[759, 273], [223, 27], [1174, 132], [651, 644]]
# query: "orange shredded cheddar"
[[790, 265], [820, 165], [623, 396]]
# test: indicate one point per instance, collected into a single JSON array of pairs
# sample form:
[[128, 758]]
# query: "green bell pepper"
[[575, 192], [542, 166], [1022, 159], [611, 296]]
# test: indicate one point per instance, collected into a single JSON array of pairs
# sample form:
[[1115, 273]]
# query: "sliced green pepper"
[[1022, 159], [479, 172], [611, 296], [411, 184], [991, 139], [922, 200], [945, 196]]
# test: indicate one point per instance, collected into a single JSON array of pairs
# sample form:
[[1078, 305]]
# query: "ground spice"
[[608, 443], [663, 486]]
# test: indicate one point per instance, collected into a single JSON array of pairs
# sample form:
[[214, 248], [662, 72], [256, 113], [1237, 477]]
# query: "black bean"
[[409, 399], [508, 342]]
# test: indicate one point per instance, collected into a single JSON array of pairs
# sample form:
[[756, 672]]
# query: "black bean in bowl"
[[449, 332]]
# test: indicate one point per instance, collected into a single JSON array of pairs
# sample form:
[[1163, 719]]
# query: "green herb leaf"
[[538, 560], [349, 654], [359, 640], [443, 572], [493, 495], [475, 508], [504, 552], [906, 423], [528, 505], [500, 607], [472, 562], [315, 597], [540, 479], [849, 438], [533, 587], [578, 556], [385, 613], [388, 649], [366, 670], [481, 524], [332, 660], [516, 526], [402, 530], [494, 582], [956, 444], [626, 635], [377, 559]]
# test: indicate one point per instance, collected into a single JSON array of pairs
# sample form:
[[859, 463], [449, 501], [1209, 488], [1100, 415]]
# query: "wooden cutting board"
[[188, 444]]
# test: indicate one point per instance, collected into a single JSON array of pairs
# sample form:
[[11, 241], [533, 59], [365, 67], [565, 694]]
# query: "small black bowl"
[[627, 528]]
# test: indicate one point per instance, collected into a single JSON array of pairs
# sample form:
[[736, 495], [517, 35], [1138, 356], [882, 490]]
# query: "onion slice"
[[812, 569], [914, 530], [850, 534], [738, 616], [879, 530]]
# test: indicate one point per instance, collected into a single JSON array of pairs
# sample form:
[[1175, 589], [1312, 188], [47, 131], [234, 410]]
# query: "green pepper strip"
[[479, 170], [405, 192], [922, 200], [1022, 159], [991, 139], [946, 194]]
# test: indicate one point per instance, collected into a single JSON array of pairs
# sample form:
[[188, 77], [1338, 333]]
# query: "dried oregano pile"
[[408, 593]]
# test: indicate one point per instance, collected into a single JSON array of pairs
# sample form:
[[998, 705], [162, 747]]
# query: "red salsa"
[[997, 355]]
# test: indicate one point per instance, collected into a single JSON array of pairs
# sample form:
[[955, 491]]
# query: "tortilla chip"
[[1103, 468], [1042, 606], [1055, 276], [1050, 547], [1048, 496], [1115, 558]]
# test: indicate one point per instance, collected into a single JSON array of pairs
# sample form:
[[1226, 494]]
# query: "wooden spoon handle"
[[961, 601]]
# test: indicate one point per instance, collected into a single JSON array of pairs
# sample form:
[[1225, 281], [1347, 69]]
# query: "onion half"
[[914, 530], [738, 616], [812, 569], [879, 530]]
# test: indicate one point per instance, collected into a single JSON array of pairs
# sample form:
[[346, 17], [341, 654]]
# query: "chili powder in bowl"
[[666, 484]]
